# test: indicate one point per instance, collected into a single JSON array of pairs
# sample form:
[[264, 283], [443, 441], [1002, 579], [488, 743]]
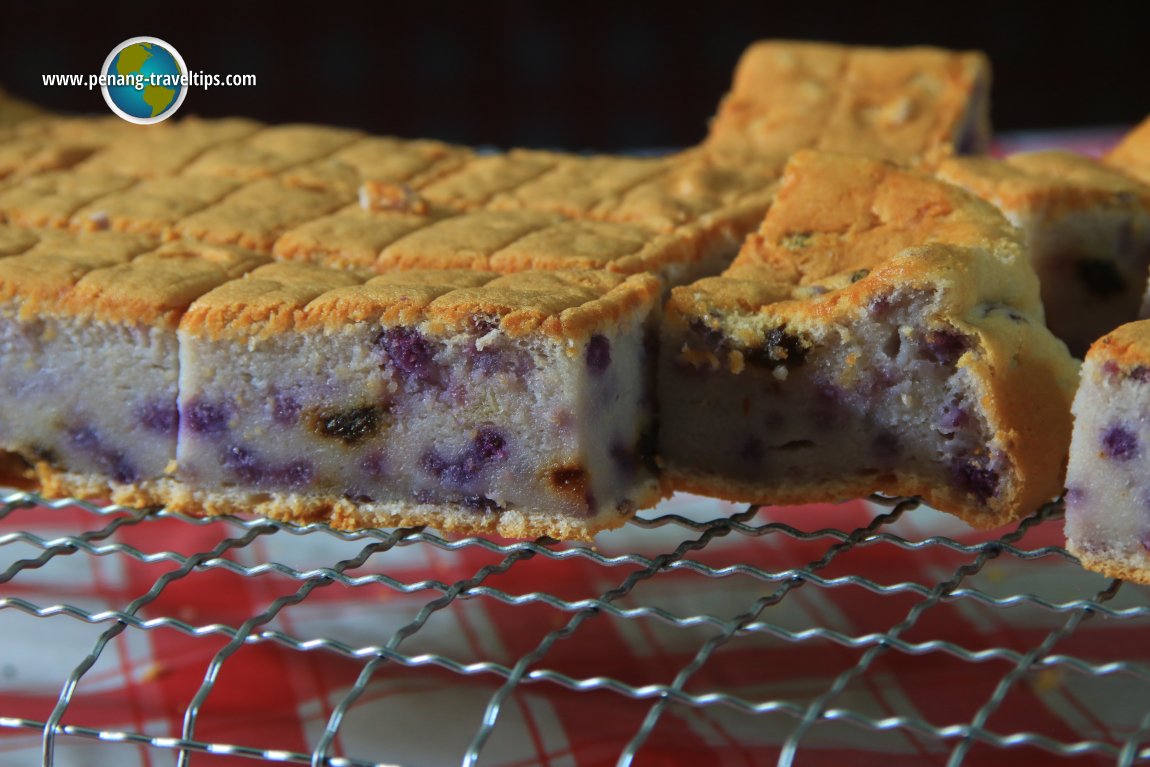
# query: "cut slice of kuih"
[[463, 400], [881, 332], [1107, 493]]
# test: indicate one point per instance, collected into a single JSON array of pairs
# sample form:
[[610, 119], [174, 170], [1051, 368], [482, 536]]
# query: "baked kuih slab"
[[1087, 230], [881, 332], [1107, 493], [464, 400]]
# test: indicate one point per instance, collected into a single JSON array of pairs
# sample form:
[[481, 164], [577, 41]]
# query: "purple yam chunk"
[[1140, 373], [953, 417], [203, 417], [944, 346], [244, 464], [295, 475], [977, 480], [598, 354], [1119, 443], [489, 446], [285, 410], [109, 461], [410, 354], [160, 417], [83, 437]]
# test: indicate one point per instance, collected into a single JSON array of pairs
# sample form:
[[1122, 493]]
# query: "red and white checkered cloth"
[[272, 696]]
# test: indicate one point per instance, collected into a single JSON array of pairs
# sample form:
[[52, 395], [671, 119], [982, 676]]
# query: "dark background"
[[576, 76]]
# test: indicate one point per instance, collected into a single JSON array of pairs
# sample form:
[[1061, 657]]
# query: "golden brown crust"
[[567, 305], [1112, 564], [577, 185], [15, 240], [1127, 346], [166, 148], [343, 514], [59, 260], [350, 238], [1132, 155], [152, 206], [380, 158], [473, 184], [264, 302], [462, 242], [270, 150], [907, 105], [255, 215], [50, 199], [838, 214], [156, 288], [1052, 182]]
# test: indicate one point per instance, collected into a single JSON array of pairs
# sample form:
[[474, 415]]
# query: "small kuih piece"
[[1108, 482], [882, 332], [915, 106]]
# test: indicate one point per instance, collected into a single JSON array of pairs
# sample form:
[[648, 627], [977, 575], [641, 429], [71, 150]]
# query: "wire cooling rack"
[[699, 634]]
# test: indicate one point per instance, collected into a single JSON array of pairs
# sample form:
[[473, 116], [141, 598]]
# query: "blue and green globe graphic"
[[144, 80]]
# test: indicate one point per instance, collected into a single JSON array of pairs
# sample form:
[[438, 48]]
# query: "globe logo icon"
[[144, 80]]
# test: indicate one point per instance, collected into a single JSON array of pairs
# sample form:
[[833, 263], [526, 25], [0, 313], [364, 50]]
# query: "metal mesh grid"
[[684, 546]]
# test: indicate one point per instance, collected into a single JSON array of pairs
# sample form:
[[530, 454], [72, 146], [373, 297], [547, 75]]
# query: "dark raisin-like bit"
[[712, 338], [795, 240], [481, 503], [1119, 443], [1101, 278], [779, 349], [349, 426], [571, 481], [1140, 373], [598, 354], [859, 274], [944, 347]]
